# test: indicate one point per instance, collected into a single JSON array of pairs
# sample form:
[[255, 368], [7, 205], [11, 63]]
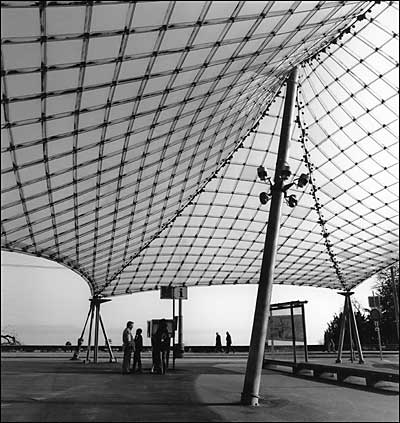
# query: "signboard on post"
[[180, 293], [171, 292], [286, 327], [374, 302], [167, 293], [152, 326], [375, 315], [280, 327]]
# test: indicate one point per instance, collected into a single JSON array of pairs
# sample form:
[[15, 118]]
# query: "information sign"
[[167, 293], [180, 293], [171, 292], [280, 328], [375, 315], [374, 302], [152, 326]]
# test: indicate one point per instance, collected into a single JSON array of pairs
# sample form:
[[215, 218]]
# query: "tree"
[[364, 325], [9, 340], [388, 316], [9, 336]]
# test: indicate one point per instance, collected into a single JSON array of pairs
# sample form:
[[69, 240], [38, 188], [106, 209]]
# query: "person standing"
[[128, 347], [218, 343], [162, 343], [155, 354], [228, 343], [77, 349], [331, 345], [138, 349]]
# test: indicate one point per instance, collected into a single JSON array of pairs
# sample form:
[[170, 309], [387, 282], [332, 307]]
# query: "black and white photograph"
[[199, 211]]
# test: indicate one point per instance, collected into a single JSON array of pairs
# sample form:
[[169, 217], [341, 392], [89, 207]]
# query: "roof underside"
[[132, 133]]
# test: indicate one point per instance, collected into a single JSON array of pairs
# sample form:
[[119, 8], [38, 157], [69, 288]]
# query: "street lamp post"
[[261, 314]]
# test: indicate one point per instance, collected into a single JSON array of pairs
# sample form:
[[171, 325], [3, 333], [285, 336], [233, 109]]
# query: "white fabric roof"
[[132, 133]]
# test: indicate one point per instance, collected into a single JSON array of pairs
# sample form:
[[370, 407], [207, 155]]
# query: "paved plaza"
[[202, 387]]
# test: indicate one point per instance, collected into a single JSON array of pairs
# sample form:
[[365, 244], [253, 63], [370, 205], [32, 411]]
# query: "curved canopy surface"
[[132, 133]]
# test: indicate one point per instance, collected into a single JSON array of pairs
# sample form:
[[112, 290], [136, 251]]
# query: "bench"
[[371, 376]]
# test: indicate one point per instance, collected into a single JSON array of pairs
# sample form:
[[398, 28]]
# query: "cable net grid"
[[69, 117]]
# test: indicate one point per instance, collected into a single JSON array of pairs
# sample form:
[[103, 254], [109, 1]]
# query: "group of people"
[[131, 344], [160, 344], [218, 343]]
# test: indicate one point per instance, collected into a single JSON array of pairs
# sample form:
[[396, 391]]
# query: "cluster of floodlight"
[[284, 175]]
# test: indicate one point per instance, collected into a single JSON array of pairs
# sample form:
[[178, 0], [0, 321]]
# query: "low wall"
[[188, 348]]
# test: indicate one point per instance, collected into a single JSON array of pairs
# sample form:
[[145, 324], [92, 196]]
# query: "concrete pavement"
[[199, 389]]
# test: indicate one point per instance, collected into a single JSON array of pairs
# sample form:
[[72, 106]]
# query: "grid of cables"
[[132, 131]]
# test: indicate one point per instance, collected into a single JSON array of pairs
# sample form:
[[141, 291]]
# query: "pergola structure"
[[132, 133]]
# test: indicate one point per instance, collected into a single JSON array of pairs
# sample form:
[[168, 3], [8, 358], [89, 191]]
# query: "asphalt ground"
[[202, 387]]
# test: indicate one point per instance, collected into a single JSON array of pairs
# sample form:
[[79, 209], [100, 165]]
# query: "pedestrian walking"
[[218, 343], [228, 343], [128, 347], [138, 349]]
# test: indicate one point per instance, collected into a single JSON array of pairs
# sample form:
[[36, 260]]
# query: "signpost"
[[375, 316], [280, 327], [152, 326], [180, 293], [173, 292], [374, 302], [287, 327], [176, 293], [167, 293]]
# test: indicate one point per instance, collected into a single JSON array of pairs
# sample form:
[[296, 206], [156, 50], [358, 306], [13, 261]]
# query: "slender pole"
[[112, 358], [378, 331], [96, 331], [80, 340], [353, 321], [260, 323], [272, 337], [87, 318], [351, 342], [293, 335], [173, 333], [342, 329], [90, 331], [180, 328], [304, 334], [395, 301]]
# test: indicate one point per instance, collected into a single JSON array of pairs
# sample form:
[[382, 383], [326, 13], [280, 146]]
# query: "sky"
[[49, 306]]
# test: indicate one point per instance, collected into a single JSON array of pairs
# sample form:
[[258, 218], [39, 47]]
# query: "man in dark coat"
[[218, 343], [228, 343]]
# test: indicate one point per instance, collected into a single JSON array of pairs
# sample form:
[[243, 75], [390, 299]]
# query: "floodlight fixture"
[[303, 180], [264, 197], [285, 172], [261, 172], [292, 201], [287, 186]]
